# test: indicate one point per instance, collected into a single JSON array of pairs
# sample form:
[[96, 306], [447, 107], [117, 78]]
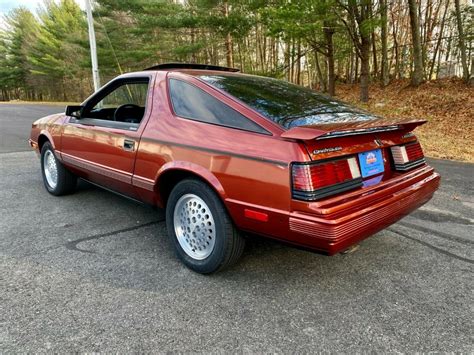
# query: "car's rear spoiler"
[[325, 131]]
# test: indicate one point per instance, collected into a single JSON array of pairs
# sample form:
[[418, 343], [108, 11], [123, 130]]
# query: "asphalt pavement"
[[94, 272]]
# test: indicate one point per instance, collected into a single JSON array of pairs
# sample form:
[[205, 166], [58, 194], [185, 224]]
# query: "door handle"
[[129, 145]]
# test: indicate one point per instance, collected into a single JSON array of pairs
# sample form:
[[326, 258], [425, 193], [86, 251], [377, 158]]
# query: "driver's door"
[[101, 145]]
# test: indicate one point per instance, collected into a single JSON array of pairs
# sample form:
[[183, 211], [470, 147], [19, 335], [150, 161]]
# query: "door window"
[[132, 93], [124, 103]]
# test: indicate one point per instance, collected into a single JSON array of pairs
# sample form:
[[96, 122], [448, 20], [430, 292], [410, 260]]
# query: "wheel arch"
[[44, 137], [174, 172]]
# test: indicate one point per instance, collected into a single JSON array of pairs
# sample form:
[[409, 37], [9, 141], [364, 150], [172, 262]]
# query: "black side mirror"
[[74, 111]]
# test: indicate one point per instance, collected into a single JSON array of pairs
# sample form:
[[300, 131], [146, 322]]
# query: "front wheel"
[[205, 238], [57, 179]]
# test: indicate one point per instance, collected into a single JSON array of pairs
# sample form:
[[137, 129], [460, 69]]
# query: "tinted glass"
[[287, 104], [132, 93], [191, 102]]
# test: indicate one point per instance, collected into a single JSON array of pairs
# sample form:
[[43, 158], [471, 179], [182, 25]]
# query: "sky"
[[7, 5]]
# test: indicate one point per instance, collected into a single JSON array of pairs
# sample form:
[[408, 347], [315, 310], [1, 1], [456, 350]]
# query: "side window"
[[193, 103], [125, 103], [132, 93]]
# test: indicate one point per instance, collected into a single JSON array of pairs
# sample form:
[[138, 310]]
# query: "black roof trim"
[[191, 66]]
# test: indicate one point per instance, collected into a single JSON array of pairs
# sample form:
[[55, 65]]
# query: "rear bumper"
[[336, 223], [335, 227]]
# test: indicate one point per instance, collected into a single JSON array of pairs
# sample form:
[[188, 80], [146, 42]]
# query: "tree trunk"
[[395, 46], [247, 54], [364, 69], [359, 13], [462, 46], [351, 68], [374, 49], [374, 56], [275, 54], [348, 64], [471, 79], [228, 41], [259, 48], [424, 35], [287, 60], [322, 82], [385, 70], [438, 43], [417, 74], [292, 60], [193, 40], [298, 63], [241, 58], [356, 74], [215, 54], [328, 34], [229, 51]]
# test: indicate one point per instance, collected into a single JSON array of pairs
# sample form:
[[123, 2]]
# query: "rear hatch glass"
[[284, 103]]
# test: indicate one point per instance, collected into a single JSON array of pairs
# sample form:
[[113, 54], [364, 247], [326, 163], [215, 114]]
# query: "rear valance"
[[325, 131]]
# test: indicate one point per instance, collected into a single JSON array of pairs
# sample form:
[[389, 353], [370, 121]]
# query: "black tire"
[[66, 181], [229, 243]]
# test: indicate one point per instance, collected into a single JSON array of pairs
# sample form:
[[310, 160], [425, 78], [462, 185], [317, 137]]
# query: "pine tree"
[[14, 70], [57, 57]]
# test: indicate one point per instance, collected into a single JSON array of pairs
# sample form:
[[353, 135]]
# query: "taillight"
[[406, 157], [313, 181]]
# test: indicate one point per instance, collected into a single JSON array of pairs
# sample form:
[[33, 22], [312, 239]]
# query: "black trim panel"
[[410, 165], [337, 134], [170, 66], [115, 192], [327, 191], [223, 152], [97, 122]]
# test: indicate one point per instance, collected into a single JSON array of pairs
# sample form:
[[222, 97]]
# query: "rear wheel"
[[57, 179], [200, 228]]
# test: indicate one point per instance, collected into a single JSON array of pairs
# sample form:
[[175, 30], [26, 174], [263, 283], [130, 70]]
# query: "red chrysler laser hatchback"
[[227, 154]]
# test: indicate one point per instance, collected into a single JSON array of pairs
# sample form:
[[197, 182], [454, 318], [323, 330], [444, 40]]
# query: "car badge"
[[327, 150], [378, 142]]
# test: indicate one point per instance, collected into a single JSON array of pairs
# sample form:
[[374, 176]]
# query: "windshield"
[[287, 104]]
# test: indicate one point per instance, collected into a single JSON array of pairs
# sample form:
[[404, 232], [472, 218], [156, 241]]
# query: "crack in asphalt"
[[72, 245], [437, 233], [441, 216], [439, 250]]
